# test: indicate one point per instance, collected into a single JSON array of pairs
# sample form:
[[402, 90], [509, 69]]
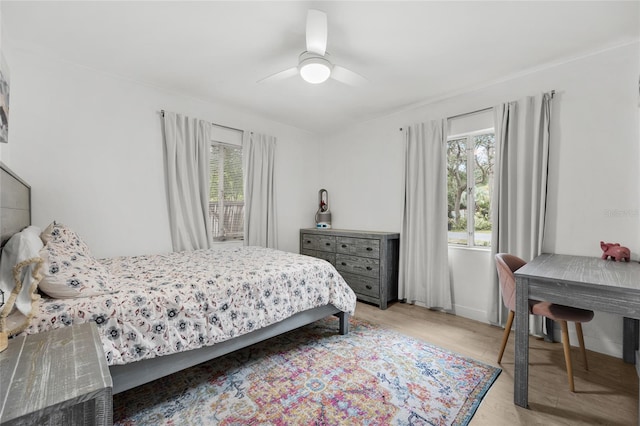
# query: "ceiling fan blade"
[[346, 76], [316, 31], [280, 75]]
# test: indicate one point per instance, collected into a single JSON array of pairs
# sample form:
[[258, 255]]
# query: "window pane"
[[457, 191], [226, 200], [484, 153]]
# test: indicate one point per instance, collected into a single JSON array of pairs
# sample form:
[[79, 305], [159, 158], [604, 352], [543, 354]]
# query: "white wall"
[[90, 146], [594, 176]]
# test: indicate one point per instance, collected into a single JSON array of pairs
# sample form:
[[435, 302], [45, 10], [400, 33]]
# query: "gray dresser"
[[367, 260]]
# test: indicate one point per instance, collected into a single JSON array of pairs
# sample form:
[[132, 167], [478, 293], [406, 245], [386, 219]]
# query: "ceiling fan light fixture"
[[315, 70]]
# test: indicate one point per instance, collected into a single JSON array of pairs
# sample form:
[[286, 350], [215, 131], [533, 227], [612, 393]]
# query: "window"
[[226, 199], [470, 161]]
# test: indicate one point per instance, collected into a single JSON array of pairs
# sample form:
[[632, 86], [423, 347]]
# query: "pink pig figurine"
[[615, 251]]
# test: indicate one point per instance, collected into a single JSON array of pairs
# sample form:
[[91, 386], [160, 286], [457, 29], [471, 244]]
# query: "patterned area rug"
[[313, 375]]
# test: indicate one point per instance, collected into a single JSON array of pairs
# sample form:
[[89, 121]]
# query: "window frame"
[[471, 185]]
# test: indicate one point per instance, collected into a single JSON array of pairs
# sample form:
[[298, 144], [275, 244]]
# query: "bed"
[[159, 314]]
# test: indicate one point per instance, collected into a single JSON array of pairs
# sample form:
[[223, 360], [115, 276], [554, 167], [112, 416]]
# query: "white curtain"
[[424, 268], [187, 151], [520, 186], [258, 156]]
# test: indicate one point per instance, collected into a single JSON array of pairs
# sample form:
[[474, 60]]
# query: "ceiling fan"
[[314, 64]]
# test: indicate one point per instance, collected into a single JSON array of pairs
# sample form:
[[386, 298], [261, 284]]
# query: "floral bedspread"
[[169, 303]]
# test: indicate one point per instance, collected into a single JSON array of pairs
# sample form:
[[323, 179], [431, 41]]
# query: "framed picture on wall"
[[4, 100]]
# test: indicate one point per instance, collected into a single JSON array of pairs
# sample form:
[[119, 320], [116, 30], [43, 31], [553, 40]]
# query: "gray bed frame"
[[15, 215]]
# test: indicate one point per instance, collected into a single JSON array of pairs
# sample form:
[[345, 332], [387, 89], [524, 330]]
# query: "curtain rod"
[[552, 93], [215, 124], [469, 113], [466, 113]]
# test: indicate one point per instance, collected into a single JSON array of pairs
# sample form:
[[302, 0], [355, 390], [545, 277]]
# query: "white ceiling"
[[411, 52]]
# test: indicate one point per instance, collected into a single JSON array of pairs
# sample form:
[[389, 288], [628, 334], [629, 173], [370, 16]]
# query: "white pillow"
[[20, 256], [69, 269]]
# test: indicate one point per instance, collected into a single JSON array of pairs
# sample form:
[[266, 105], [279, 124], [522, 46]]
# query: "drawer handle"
[[368, 287], [343, 264], [308, 241], [344, 246], [369, 249], [327, 244], [369, 268]]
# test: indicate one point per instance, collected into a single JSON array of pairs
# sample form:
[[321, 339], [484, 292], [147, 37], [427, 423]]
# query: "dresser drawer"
[[309, 242], [319, 242], [363, 285], [358, 265], [325, 255], [365, 247], [327, 243], [308, 252]]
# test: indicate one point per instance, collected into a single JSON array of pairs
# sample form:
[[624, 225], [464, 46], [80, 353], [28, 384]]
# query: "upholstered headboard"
[[15, 204]]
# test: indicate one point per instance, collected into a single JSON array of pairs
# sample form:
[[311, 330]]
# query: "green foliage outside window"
[[470, 153], [457, 183], [232, 173]]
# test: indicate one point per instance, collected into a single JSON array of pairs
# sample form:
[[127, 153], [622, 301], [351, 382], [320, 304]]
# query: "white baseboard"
[[601, 345], [471, 313]]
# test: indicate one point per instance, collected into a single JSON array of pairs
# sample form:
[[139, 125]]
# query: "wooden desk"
[[59, 377], [583, 282]]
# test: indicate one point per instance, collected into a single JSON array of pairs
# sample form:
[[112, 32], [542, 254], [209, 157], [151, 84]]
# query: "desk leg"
[[629, 339], [521, 375]]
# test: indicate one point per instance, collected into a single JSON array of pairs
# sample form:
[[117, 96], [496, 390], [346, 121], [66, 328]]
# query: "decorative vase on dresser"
[[367, 260]]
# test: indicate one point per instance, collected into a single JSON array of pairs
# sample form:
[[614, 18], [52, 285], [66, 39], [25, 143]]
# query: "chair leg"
[[582, 347], [505, 336], [567, 353]]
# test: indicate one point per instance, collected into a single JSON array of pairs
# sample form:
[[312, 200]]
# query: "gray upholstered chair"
[[507, 264]]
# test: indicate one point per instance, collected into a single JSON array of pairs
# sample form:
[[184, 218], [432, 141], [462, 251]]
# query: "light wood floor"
[[607, 394]]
